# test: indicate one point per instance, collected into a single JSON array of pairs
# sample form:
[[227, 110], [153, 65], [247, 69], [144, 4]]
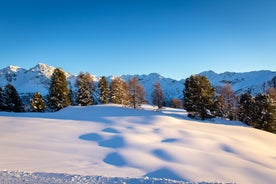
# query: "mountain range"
[[37, 79]]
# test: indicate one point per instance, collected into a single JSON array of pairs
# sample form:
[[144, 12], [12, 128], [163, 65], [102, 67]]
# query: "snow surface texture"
[[37, 79], [16, 177], [112, 141]]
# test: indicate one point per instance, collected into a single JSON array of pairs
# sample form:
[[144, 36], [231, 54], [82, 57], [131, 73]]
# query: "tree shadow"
[[165, 173], [94, 113], [115, 159], [163, 155], [91, 137], [114, 142], [183, 115]]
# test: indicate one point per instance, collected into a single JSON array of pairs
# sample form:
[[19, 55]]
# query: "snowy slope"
[[253, 82], [109, 140], [37, 79]]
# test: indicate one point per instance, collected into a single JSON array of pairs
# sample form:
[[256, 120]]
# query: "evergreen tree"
[[37, 103], [199, 97], [119, 91], [258, 112], [157, 96], [227, 102], [136, 93], [266, 119], [1, 100], [247, 111], [85, 86], [58, 93], [104, 90], [11, 99]]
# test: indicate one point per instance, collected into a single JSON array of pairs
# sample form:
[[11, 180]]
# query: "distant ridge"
[[37, 79]]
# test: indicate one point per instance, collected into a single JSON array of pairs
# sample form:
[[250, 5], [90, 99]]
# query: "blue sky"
[[175, 38]]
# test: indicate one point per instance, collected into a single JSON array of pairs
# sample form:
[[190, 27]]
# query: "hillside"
[[37, 79], [108, 140]]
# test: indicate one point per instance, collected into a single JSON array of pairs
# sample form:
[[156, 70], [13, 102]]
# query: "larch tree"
[[58, 97], [119, 91], [11, 99], [37, 103], [199, 97], [228, 102], [157, 96], [136, 93], [85, 87], [272, 93], [176, 103], [104, 90]]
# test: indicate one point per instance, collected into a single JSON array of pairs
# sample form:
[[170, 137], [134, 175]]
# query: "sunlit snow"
[[110, 140]]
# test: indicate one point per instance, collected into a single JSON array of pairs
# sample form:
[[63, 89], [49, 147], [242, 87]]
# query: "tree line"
[[200, 100]]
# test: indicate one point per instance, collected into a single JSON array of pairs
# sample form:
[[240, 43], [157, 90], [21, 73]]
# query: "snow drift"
[[109, 140]]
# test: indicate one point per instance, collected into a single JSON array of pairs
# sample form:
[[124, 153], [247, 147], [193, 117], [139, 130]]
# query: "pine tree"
[[11, 99], [199, 97], [227, 102], [85, 87], [272, 94], [247, 111], [136, 93], [104, 90], [157, 96], [1, 100], [266, 119], [37, 103], [119, 91], [58, 92]]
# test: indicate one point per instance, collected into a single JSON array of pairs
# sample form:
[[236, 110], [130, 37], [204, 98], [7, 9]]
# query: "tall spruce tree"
[[1, 100], [104, 90], [85, 87], [247, 110], [266, 117], [136, 93], [11, 99], [37, 103], [58, 92], [258, 112], [158, 96], [199, 97], [119, 91]]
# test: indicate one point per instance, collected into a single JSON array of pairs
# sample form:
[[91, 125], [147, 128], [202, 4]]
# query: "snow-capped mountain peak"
[[43, 69], [37, 79]]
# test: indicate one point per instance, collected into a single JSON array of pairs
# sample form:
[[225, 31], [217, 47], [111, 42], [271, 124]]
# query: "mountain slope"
[[37, 79]]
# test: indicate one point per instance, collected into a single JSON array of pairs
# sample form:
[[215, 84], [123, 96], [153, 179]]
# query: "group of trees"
[[202, 101], [129, 93]]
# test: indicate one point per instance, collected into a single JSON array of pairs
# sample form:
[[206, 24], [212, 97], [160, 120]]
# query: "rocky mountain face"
[[37, 79]]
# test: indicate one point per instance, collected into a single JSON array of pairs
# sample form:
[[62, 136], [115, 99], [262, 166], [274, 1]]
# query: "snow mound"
[[113, 141]]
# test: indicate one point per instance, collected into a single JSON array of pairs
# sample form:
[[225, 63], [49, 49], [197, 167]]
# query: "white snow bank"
[[109, 140]]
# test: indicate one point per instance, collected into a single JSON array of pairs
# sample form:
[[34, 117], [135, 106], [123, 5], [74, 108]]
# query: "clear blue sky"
[[175, 38]]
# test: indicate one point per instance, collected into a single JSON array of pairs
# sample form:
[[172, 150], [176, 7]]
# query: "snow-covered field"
[[112, 141]]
